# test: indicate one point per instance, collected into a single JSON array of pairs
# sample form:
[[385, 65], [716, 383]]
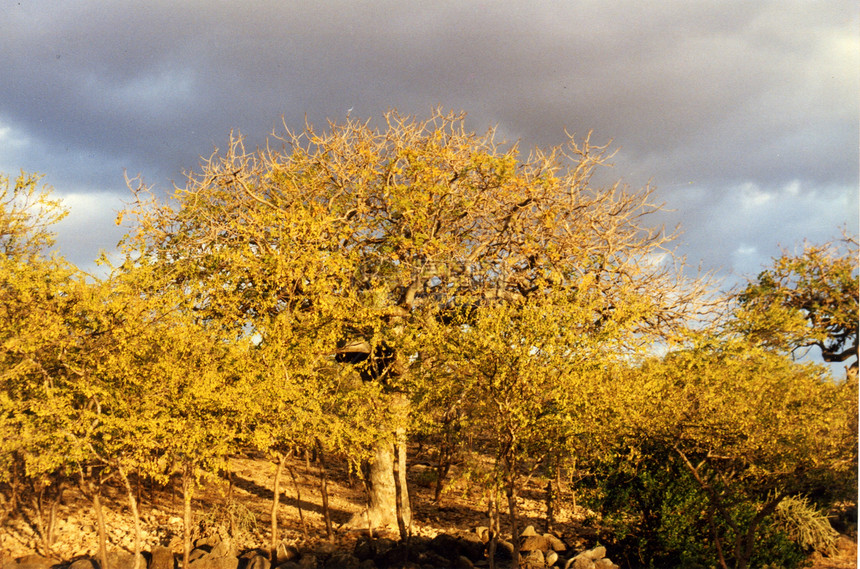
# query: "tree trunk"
[[382, 510], [298, 501], [550, 518], [515, 529], [324, 492], [399, 489], [187, 493], [132, 503], [52, 517], [100, 519], [493, 514], [276, 498]]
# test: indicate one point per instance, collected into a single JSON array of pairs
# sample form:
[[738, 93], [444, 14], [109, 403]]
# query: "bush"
[[805, 525]]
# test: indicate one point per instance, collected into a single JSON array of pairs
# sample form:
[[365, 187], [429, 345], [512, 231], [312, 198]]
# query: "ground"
[[240, 505]]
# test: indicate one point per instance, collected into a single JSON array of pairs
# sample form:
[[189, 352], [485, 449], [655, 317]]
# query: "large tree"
[[368, 237]]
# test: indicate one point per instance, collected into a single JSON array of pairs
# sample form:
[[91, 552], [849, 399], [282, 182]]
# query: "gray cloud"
[[705, 99]]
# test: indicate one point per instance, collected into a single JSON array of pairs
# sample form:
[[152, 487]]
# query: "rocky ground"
[[234, 511]]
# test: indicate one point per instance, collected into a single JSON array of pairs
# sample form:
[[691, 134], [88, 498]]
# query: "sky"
[[743, 115]]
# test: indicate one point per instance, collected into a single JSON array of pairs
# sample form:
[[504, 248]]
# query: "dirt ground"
[[240, 505]]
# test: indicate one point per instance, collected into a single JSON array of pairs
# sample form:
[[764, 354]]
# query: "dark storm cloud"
[[706, 99]]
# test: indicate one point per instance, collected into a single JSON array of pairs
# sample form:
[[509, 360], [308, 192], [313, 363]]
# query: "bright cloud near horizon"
[[743, 115]]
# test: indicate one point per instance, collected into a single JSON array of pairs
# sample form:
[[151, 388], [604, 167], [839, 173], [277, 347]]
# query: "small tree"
[[750, 427], [40, 406], [806, 300]]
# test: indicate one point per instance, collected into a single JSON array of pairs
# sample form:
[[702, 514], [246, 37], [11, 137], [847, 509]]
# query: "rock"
[[446, 545], [505, 548], [463, 562], [555, 543], [86, 563], [36, 562], [221, 549], [605, 563], [845, 546], [162, 558], [471, 546], [533, 560], [433, 559], [286, 553], [197, 553], [598, 552], [484, 533], [258, 562], [124, 560], [535, 543], [367, 564], [308, 561], [383, 546], [581, 561], [342, 560], [551, 557], [211, 561], [289, 565], [528, 532]]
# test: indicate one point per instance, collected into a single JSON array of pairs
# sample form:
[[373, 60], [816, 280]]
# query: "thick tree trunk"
[[383, 491], [382, 509]]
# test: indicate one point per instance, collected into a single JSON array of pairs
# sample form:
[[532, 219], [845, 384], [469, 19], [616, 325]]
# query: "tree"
[[368, 237], [40, 293], [749, 426], [807, 300]]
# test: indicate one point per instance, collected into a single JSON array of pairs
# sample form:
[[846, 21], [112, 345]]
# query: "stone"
[[433, 559], [258, 562], [471, 546], [37, 562], [210, 561], [598, 552], [367, 564], [86, 563], [285, 553], [342, 560], [505, 548], [528, 532], [446, 545], [581, 561], [551, 558], [463, 562], [197, 553], [532, 560], [484, 533], [308, 561], [605, 563], [162, 558], [555, 543], [535, 543], [383, 546], [124, 560], [845, 546]]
